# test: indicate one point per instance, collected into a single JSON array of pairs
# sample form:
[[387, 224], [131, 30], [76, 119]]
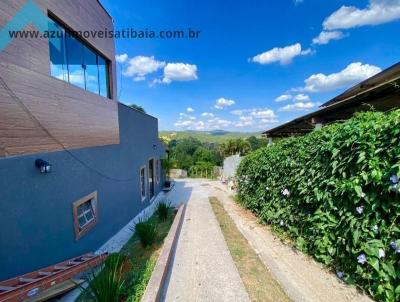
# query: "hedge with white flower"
[[335, 192]]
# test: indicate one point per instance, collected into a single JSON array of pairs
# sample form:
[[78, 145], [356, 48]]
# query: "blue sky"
[[256, 64]]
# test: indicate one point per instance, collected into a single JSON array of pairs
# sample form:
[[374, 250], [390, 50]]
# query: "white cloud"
[[283, 55], [301, 98], [139, 66], [221, 103], [300, 106], [283, 97], [190, 124], [207, 114], [377, 12], [189, 109], [325, 36], [352, 74], [139, 78], [264, 114], [178, 72], [254, 117], [121, 58], [237, 112], [217, 123]]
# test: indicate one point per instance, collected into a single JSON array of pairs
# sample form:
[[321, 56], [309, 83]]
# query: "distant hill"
[[215, 136]]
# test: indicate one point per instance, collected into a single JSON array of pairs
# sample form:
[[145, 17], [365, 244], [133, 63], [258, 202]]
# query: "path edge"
[[155, 286]]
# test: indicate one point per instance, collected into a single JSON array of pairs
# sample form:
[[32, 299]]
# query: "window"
[[151, 178], [143, 182], [78, 64], [85, 214], [158, 171]]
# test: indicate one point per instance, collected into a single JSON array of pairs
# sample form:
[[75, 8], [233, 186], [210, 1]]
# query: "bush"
[[147, 233], [107, 285], [335, 192], [163, 210]]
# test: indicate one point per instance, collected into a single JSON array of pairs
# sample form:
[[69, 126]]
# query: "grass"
[[139, 261], [259, 283]]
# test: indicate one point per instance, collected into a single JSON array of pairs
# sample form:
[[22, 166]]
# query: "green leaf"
[[374, 262]]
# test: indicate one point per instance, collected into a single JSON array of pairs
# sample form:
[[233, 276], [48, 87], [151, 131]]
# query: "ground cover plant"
[[335, 192], [125, 275]]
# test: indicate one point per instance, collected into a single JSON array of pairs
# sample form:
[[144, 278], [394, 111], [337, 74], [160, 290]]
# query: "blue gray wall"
[[36, 221]]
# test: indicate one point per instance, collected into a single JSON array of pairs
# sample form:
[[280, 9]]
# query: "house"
[[380, 92], [75, 165]]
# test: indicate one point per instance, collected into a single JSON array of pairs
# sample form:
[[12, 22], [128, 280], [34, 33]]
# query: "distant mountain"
[[215, 136]]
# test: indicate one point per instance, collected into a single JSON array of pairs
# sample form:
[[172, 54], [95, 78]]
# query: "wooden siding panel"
[[73, 117]]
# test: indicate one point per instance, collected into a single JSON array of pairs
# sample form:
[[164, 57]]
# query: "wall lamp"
[[43, 166], [154, 147]]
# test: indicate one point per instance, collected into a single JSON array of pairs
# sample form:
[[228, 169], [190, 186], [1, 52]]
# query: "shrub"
[[147, 233], [107, 285], [335, 192], [163, 210]]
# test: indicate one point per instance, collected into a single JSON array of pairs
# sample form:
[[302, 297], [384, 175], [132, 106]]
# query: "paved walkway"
[[203, 269]]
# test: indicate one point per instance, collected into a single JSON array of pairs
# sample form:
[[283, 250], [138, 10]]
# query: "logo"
[[29, 14]]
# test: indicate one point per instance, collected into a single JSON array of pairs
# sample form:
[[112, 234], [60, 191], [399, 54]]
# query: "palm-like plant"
[[107, 285]]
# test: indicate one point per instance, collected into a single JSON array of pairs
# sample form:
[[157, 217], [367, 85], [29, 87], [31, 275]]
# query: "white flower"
[[281, 223], [394, 179], [340, 274], [360, 209], [375, 228], [363, 195], [361, 259], [285, 192], [381, 253]]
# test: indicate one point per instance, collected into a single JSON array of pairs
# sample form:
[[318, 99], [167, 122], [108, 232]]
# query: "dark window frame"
[[108, 62], [82, 231]]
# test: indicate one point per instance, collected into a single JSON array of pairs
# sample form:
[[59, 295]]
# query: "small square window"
[[85, 214]]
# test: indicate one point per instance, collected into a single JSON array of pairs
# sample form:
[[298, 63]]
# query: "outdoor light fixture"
[[43, 166], [154, 147]]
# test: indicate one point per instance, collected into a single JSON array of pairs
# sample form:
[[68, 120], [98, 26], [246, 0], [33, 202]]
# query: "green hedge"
[[335, 193]]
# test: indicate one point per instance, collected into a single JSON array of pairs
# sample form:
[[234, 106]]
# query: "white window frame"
[[154, 175], [141, 185], [158, 171]]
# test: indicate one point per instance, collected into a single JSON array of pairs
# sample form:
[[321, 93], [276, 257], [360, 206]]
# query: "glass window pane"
[[75, 62], [89, 216], [58, 60], [82, 221], [91, 70], [103, 78]]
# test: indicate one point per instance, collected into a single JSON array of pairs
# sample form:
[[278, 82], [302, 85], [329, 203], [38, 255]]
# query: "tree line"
[[191, 154]]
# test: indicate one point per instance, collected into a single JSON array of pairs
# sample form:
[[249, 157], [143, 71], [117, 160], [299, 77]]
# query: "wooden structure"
[[41, 113], [380, 92], [29, 285]]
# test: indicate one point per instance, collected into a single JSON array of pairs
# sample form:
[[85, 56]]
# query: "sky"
[[255, 64]]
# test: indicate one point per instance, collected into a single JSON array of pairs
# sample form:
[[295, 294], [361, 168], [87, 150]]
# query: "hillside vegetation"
[[217, 136]]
